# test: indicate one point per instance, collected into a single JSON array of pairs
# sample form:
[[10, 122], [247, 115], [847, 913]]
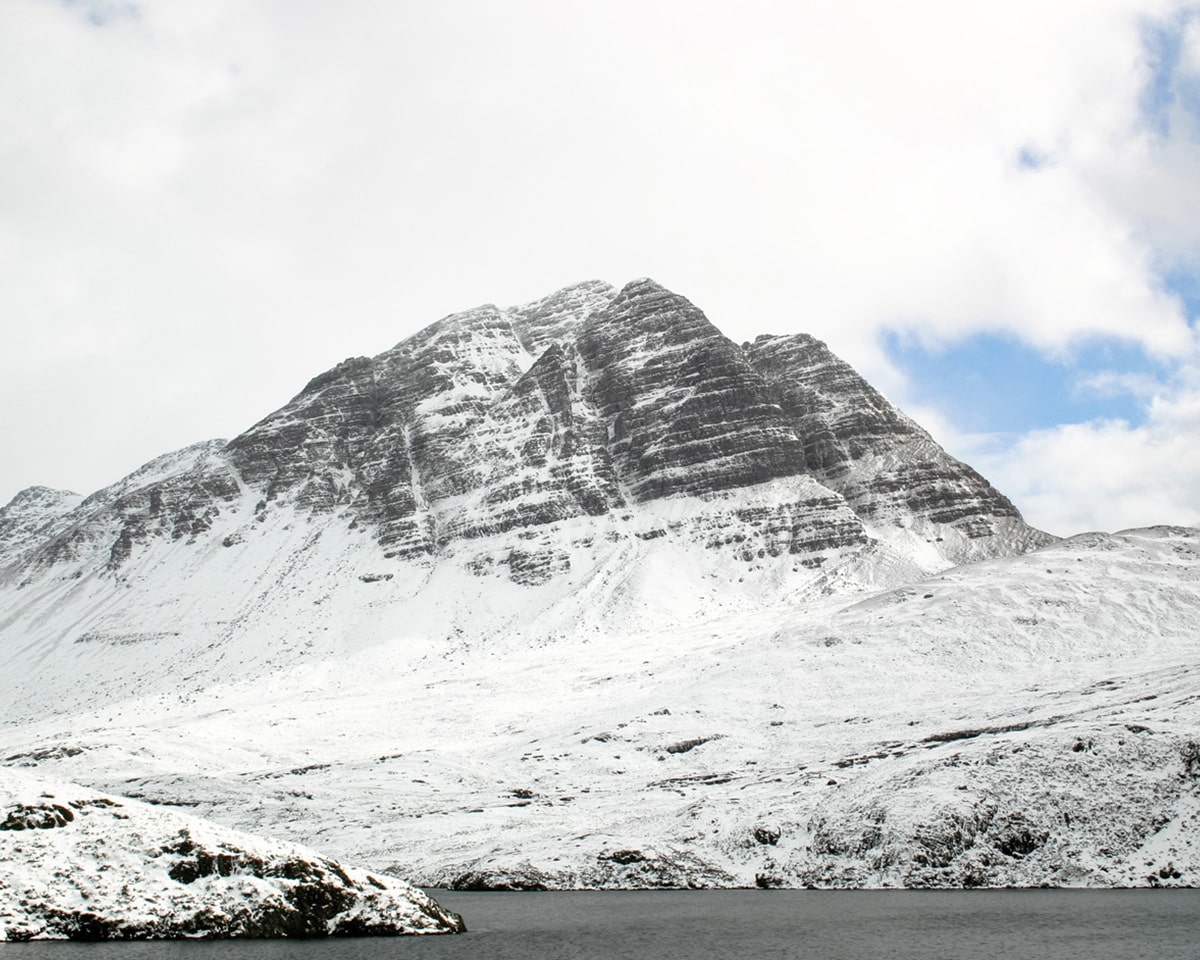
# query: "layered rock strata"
[[588, 403]]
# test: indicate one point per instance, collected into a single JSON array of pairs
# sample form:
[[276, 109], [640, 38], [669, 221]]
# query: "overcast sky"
[[991, 209]]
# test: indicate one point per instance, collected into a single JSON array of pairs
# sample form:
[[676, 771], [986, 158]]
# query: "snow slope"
[[1024, 720]]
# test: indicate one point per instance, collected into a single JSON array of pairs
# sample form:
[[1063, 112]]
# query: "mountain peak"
[[524, 533], [444, 438], [648, 289], [35, 497], [557, 316]]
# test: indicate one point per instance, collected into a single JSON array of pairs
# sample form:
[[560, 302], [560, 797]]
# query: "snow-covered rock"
[[590, 403], [575, 445], [79, 865], [30, 515]]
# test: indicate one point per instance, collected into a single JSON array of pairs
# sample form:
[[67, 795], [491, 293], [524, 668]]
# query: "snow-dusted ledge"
[[79, 865]]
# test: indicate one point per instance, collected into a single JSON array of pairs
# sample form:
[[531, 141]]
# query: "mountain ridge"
[[586, 575], [635, 386]]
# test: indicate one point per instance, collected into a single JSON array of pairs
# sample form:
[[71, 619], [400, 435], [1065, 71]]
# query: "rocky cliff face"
[[682, 409], [588, 403], [888, 469], [599, 459]]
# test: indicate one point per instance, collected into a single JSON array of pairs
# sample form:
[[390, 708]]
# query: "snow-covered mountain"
[[78, 865], [580, 593]]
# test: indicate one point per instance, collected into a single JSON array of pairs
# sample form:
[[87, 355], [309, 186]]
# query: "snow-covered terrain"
[[581, 594], [79, 865], [1019, 721]]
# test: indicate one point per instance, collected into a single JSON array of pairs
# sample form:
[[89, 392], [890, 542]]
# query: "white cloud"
[[1102, 474], [1189, 60], [1109, 383]]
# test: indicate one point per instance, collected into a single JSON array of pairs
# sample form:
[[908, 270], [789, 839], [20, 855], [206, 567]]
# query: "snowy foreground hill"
[[79, 865], [581, 594]]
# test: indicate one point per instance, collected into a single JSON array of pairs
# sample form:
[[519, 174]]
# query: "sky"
[[991, 210]]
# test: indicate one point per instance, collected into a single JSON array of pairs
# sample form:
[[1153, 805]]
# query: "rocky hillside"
[[77, 865], [591, 402], [542, 446], [581, 593]]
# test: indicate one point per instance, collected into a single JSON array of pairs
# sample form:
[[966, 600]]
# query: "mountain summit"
[[591, 402], [582, 593], [568, 448]]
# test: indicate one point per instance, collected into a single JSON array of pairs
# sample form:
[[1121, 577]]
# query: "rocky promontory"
[[79, 865]]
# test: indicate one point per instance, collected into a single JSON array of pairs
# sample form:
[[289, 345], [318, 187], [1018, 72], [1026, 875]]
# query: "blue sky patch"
[[1030, 158], [1168, 89], [100, 13], [1185, 284], [993, 383]]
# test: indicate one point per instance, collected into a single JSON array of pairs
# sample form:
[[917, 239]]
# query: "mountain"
[[77, 865], [584, 404], [581, 593]]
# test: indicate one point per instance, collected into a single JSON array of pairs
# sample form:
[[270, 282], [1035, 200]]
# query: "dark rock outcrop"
[[684, 411], [77, 866], [856, 443]]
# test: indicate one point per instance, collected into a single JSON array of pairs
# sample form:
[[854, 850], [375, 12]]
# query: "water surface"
[[746, 925]]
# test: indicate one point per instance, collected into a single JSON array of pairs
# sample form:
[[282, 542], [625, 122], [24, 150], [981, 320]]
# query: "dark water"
[[747, 925]]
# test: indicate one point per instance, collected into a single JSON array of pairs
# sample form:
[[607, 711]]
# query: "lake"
[[746, 925]]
